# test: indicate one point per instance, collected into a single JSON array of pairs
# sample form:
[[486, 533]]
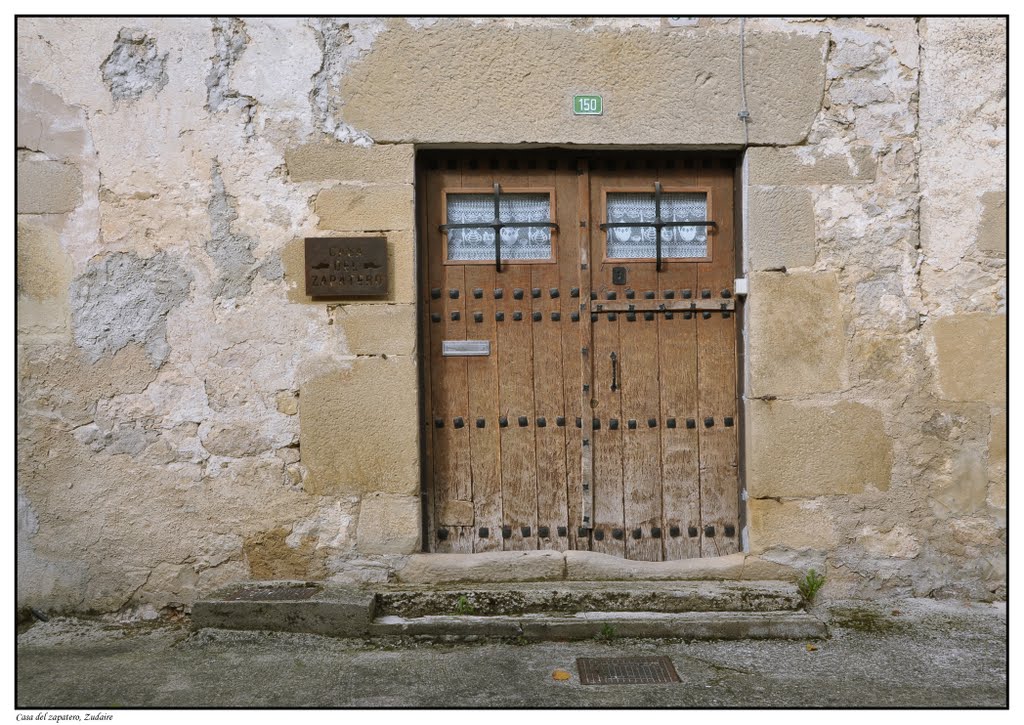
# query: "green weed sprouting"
[[810, 584], [607, 633]]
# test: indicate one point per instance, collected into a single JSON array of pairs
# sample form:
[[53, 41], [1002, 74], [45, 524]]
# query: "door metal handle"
[[614, 362]]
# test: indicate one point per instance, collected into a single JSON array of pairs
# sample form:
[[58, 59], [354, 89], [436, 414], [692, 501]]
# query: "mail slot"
[[466, 348]]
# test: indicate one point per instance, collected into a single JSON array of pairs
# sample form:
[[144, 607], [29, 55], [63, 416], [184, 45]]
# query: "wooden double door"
[[578, 338]]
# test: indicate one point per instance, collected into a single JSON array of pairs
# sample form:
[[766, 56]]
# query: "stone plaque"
[[346, 266]]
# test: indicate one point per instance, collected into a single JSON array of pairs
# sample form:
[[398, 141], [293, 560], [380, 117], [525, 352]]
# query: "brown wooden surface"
[[609, 517], [574, 210], [424, 182], [548, 376], [515, 395], [639, 380], [716, 376], [677, 349], [583, 385], [449, 397], [482, 373], [651, 479]]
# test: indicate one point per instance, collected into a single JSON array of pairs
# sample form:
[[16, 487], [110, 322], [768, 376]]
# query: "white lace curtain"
[[638, 242], [477, 243]]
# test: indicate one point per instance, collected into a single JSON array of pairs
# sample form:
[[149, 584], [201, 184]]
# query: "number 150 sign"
[[587, 105]]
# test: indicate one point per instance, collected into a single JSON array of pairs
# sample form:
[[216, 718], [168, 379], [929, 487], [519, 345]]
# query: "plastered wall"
[[188, 417]]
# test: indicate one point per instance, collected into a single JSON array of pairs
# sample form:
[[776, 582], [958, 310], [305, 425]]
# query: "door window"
[[476, 244], [639, 242]]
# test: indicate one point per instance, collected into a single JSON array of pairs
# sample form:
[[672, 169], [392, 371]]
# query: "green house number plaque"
[[587, 105]]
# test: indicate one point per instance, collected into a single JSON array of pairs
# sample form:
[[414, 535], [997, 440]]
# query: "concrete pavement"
[[927, 653]]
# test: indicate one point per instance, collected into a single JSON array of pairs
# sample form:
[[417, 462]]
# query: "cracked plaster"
[[186, 423]]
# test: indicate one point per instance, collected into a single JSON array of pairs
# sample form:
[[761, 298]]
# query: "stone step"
[[571, 597], [608, 626], [527, 566], [287, 606], [538, 610]]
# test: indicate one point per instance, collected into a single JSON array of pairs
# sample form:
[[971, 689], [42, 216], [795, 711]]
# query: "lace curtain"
[[475, 244], [638, 242]]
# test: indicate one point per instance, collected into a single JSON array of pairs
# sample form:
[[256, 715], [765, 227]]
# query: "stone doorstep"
[[526, 566], [712, 611], [573, 597], [610, 625]]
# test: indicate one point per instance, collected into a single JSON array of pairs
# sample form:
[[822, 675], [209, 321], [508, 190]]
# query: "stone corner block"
[[806, 450], [970, 354], [335, 161], [494, 566], [797, 334], [992, 226], [783, 104], [47, 124], [358, 428], [333, 610], [388, 524], [997, 439], [373, 207], [44, 268], [48, 187], [790, 524], [378, 329], [808, 166], [780, 220]]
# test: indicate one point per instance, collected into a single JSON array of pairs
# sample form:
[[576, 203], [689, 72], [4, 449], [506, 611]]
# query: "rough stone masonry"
[[187, 417]]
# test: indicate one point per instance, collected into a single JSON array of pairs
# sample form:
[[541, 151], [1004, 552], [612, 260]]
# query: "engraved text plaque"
[[346, 267]]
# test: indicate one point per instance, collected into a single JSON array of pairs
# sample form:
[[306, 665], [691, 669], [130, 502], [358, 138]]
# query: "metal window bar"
[[658, 224], [497, 225]]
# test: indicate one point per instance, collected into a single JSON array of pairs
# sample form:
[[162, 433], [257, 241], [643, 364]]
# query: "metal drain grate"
[[272, 594], [626, 670]]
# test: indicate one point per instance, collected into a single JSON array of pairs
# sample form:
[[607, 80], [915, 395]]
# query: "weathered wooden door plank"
[[573, 216], [548, 372], [483, 389], [516, 395], [716, 375], [677, 336], [640, 386]]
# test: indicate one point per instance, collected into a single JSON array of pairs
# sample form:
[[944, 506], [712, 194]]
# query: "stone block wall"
[[876, 251], [188, 417]]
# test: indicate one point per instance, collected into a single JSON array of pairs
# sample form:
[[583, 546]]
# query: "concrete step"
[[570, 597], [608, 626]]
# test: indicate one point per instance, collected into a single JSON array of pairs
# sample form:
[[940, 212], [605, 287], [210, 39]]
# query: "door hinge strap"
[[666, 305]]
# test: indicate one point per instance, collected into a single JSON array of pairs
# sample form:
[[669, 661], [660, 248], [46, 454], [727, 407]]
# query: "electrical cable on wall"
[[744, 113]]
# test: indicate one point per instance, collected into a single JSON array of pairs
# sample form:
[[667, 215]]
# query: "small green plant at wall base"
[[462, 606], [810, 585], [607, 633]]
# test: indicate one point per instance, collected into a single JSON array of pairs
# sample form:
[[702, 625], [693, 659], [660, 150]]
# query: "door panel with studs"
[[602, 414]]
